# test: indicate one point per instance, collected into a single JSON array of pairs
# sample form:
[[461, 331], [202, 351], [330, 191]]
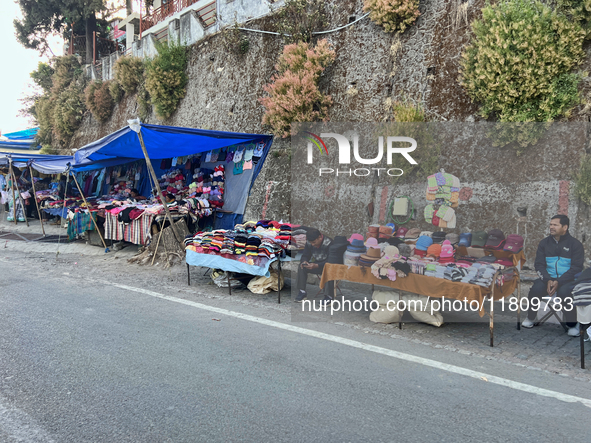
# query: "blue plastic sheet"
[[59, 212], [226, 264]]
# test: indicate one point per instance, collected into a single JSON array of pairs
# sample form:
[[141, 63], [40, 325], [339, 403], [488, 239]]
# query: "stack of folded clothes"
[[267, 248], [228, 245], [298, 238], [217, 242], [240, 240], [206, 240], [252, 245]]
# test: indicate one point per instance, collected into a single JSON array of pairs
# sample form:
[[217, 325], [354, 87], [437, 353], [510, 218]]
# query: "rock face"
[[501, 190]]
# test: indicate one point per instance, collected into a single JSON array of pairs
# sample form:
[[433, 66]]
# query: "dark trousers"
[[540, 289], [302, 279]]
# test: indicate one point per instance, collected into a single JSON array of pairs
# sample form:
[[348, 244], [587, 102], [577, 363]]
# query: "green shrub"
[[392, 15], [129, 73], [99, 100], [89, 95], [59, 110], [166, 78], [518, 135], [294, 95], [42, 76], [297, 20], [519, 63], [144, 106], [103, 102], [583, 180], [44, 116], [403, 111], [68, 113], [67, 69], [579, 10], [116, 91]]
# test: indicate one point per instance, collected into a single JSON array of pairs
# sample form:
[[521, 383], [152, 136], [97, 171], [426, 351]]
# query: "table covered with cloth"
[[215, 261], [419, 284], [136, 232], [81, 223]]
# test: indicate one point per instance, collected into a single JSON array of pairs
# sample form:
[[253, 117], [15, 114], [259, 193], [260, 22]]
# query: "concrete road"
[[83, 360]]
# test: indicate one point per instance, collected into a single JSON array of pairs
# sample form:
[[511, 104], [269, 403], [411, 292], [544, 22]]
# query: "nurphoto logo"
[[344, 150]]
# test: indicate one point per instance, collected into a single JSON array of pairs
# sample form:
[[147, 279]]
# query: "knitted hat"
[[427, 233], [429, 210], [447, 250], [405, 250], [434, 250], [423, 243], [479, 239]]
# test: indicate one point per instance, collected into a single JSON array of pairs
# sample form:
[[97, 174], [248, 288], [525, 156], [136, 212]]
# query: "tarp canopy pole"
[[89, 211], [12, 188], [155, 178], [35, 198], [20, 197]]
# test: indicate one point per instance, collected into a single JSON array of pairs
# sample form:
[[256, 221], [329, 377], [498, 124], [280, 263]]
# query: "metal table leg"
[[188, 275], [582, 338], [279, 275]]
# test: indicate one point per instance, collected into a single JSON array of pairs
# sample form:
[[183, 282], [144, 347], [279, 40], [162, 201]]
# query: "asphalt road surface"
[[85, 361]]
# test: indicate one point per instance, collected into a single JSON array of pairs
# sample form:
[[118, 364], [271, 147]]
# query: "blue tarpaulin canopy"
[[28, 135], [46, 164], [161, 142]]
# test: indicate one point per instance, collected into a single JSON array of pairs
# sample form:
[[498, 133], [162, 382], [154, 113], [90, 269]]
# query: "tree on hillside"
[[42, 18]]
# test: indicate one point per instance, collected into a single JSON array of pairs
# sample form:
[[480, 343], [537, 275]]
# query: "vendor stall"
[[204, 176], [475, 268], [249, 248]]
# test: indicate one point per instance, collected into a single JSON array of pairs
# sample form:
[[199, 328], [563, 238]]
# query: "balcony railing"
[[102, 47], [207, 14]]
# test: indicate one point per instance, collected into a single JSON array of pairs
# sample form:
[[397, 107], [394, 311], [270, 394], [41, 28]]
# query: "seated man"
[[559, 258], [313, 260]]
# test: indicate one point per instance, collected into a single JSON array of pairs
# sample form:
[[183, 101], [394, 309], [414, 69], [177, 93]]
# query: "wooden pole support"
[[155, 178], [35, 198], [89, 211]]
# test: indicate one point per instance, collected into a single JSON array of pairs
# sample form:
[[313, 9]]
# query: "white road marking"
[[19, 426], [371, 348]]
